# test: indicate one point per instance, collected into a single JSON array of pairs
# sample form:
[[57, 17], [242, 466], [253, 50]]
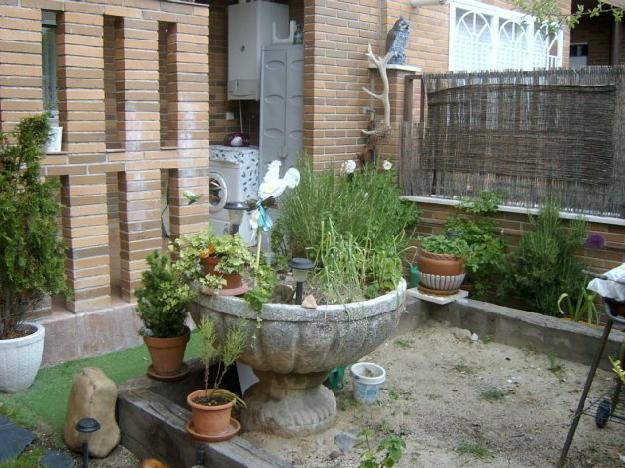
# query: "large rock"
[[93, 395]]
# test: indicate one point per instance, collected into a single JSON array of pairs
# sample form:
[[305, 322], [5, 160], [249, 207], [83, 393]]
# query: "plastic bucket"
[[368, 378]]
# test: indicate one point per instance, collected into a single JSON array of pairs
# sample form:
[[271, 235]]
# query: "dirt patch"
[[456, 402]]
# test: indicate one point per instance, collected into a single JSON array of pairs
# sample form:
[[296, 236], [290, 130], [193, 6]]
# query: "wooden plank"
[[153, 426]]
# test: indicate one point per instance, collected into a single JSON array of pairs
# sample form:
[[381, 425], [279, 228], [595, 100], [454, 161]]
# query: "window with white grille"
[[483, 37]]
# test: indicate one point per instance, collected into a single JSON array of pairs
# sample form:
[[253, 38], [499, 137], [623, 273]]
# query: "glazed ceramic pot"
[[293, 351], [167, 354], [20, 357], [440, 274]]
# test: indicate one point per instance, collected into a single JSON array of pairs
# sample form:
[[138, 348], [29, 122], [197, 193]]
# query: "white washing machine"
[[233, 178]]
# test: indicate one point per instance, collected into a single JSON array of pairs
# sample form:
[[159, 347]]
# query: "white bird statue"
[[272, 186]]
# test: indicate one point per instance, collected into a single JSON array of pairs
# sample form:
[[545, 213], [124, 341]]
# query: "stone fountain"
[[293, 350]]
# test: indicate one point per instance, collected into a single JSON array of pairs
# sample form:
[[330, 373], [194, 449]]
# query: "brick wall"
[[513, 225], [85, 166]]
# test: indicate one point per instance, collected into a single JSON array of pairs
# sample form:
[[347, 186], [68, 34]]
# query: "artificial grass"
[[46, 401]]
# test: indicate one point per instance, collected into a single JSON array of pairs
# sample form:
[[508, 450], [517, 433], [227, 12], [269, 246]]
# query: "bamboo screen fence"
[[524, 135]]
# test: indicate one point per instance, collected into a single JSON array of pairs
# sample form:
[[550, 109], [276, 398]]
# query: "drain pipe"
[[617, 43]]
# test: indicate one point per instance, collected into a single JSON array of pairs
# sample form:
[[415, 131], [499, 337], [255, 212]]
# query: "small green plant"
[[583, 309], [346, 402], [388, 452], [265, 281], [450, 245], [618, 370], [232, 252], [162, 299], [403, 344], [229, 351], [492, 394], [544, 265], [474, 450], [32, 254], [463, 368], [555, 367]]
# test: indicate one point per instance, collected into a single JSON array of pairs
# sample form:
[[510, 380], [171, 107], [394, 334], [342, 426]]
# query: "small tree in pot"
[[211, 408], [32, 256], [161, 304]]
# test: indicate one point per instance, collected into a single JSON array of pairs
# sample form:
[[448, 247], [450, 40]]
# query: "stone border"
[[565, 339]]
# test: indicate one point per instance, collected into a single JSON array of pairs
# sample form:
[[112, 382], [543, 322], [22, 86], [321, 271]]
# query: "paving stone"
[[13, 439], [57, 460]]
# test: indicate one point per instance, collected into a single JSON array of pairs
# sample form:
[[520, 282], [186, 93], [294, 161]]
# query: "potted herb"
[[32, 255], [211, 408], [223, 260], [442, 264], [161, 304]]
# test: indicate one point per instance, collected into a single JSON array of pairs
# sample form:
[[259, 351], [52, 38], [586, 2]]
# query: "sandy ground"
[[444, 393]]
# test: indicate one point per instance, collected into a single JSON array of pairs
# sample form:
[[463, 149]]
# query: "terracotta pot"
[[441, 274], [209, 420], [232, 280], [167, 353]]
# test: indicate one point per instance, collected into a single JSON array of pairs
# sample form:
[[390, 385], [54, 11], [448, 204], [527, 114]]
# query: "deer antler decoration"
[[381, 63]]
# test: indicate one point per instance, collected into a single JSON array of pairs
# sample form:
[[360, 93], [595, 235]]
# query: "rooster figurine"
[[270, 188]]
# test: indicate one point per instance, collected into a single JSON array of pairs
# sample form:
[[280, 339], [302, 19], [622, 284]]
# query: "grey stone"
[[13, 439], [93, 395], [462, 334], [345, 441], [309, 302], [293, 351], [56, 460], [474, 337]]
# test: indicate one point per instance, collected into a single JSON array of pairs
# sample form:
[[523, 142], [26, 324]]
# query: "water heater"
[[250, 28]]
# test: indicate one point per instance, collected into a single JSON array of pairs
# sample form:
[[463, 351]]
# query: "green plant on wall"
[[32, 255], [544, 264]]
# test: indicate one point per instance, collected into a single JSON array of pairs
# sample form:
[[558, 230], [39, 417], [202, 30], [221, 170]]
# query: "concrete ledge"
[[76, 335], [550, 335]]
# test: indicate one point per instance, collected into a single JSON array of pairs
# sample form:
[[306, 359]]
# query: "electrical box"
[[250, 28]]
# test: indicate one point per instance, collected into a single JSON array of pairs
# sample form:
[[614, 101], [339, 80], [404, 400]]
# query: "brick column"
[[85, 229], [139, 224], [137, 62], [81, 83], [184, 218], [20, 65]]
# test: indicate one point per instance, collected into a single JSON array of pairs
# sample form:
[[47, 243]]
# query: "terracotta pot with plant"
[[161, 304], [223, 260], [32, 254], [442, 264], [211, 408]]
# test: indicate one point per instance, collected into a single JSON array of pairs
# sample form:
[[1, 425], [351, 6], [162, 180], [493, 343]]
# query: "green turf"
[[45, 402]]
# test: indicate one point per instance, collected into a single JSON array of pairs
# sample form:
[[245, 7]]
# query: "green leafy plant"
[[486, 260], [449, 245], [265, 281], [474, 450], [551, 14], [388, 452], [617, 368], [32, 254], [233, 254], [163, 297], [581, 309], [544, 265], [228, 351], [492, 394]]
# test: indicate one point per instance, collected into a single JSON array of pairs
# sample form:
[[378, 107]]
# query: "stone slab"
[[13, 439], [440, 300], [53, 459]]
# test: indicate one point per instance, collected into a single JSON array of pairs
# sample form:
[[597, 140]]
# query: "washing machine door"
[[217, 192]]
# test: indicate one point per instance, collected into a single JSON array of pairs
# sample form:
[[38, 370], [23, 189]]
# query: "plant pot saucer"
[[233, 429], [226, 292], [184, 370], [436, 292]]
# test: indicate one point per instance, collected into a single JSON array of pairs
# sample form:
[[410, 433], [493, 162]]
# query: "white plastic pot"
[[368, 378], [20, 359]]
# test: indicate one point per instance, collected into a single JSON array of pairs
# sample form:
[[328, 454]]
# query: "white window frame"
[[497, 13]]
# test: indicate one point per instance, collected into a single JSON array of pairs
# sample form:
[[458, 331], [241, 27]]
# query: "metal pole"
[[85, 455], [299, 293], [582, 399]]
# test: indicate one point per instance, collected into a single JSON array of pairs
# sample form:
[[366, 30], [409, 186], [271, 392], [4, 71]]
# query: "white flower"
[[387, 165], [348, 167]]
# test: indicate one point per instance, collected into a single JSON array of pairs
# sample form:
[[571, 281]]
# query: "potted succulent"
[[223, 260], [161, 304], [32, 255], [441, 264], [211, 408]]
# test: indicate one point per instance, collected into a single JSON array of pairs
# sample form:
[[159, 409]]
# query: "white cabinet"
[[250, 28]]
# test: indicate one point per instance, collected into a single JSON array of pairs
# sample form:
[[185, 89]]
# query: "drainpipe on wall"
[[617, 43]]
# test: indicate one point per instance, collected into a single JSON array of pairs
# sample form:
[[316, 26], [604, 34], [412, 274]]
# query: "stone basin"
[[292, 350]]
